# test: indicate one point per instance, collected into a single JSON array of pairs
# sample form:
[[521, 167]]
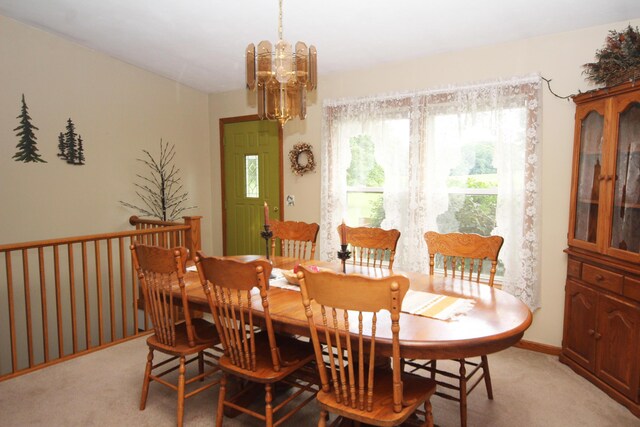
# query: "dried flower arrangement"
[[618, 61]]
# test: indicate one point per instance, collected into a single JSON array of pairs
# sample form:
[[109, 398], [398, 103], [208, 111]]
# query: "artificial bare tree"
[[162, 192]]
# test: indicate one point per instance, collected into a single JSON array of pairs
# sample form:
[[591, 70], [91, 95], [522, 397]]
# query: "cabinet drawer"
[[631, 289], [574, 268], [602, 278]]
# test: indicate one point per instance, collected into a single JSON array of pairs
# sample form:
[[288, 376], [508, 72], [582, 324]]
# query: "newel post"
[[193, 241]]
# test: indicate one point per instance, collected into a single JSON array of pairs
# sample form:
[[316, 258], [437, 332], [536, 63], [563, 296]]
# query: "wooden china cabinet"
[[601, 334]]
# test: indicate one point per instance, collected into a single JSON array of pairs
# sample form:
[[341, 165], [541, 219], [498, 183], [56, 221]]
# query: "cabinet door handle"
[[608, 178], [591, 332], [601, 177], [598, 336], [599, 277]]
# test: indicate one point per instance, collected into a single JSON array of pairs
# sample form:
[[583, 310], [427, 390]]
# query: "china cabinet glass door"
[[587, 190], [625, 221]]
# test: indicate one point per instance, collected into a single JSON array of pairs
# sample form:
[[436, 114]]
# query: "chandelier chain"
[[280, 22]]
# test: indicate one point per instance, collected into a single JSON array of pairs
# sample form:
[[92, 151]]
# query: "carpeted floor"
[[103, 389]]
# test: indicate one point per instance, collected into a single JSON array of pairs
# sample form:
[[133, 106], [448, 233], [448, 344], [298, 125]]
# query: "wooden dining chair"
[[295, 239], [353, 315], [464, 255], [236, 291], [371, 246], [159, 270]]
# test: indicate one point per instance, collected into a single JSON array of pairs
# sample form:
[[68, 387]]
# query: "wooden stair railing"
[[64, 297], [190, 239]]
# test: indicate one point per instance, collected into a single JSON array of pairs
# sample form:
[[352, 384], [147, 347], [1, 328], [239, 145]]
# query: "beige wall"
[[558, 57], [120, 110], [117, 108]]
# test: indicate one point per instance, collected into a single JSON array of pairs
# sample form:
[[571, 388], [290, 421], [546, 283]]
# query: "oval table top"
[[497, 320]]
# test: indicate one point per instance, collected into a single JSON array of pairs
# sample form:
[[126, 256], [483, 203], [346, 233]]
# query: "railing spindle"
[[72, 293], [43, 302], [27, 301], [112, 297], [134, 285], [56, 267], [123, 291], [87, 308], [96, 245], [12, 316]]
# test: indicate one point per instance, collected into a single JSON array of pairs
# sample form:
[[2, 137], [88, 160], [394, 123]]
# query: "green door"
[[251, 176]]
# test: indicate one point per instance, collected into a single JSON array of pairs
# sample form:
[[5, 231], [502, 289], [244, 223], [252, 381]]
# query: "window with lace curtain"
[[462, 159]]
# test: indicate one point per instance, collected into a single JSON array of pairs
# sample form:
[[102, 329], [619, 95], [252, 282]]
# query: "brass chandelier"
[[282, 76]]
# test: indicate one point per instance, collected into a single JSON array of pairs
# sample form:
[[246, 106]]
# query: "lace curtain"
[[415, 151]]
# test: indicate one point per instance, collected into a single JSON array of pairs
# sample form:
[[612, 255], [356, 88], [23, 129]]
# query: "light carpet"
[[103, 389]]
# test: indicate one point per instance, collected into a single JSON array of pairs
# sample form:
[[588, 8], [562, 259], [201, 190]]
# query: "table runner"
[[436, 306], [418, 303]]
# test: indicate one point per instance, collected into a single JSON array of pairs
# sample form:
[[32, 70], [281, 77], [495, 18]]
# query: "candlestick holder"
[[266, 235], [344, 255]]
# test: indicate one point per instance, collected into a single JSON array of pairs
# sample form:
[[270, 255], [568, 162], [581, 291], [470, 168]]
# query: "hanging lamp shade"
[[282, 77]]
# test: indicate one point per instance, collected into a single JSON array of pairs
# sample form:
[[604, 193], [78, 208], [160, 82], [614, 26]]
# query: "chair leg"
[[201, 364], [181, 372], [324, 415], [433, 366], [221, 393], [146, 380], [487, 376], [463, 394], [268, 408], [428, 414]]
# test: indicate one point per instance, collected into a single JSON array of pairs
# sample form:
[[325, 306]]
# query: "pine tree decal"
[[27, 147], [80, 160], [71, 145], [62, 147], [71, 142]]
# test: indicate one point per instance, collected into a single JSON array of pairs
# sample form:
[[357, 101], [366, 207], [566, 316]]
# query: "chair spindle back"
[[464, 253], [371, 246], [159, 270], [297, 239], [231, 288], [348, 315]]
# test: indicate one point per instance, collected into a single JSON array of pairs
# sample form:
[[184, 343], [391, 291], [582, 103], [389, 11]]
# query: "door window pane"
[[252, 176]]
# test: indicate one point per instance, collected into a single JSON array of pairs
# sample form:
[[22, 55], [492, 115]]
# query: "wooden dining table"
[[496, 321]]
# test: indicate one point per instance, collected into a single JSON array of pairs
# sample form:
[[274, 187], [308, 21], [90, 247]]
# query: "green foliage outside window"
[[377, 212], [365, 172], [468, 212]]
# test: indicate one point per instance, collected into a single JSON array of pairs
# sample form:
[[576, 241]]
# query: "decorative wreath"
[[294, 157]]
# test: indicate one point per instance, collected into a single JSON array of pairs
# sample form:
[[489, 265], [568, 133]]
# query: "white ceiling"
[[201, 43]]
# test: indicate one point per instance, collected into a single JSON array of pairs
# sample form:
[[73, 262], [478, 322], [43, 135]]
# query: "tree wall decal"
[[70, 145], [62, 147], [80, 156], [70, 141], [162, 192], [27, 147]]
